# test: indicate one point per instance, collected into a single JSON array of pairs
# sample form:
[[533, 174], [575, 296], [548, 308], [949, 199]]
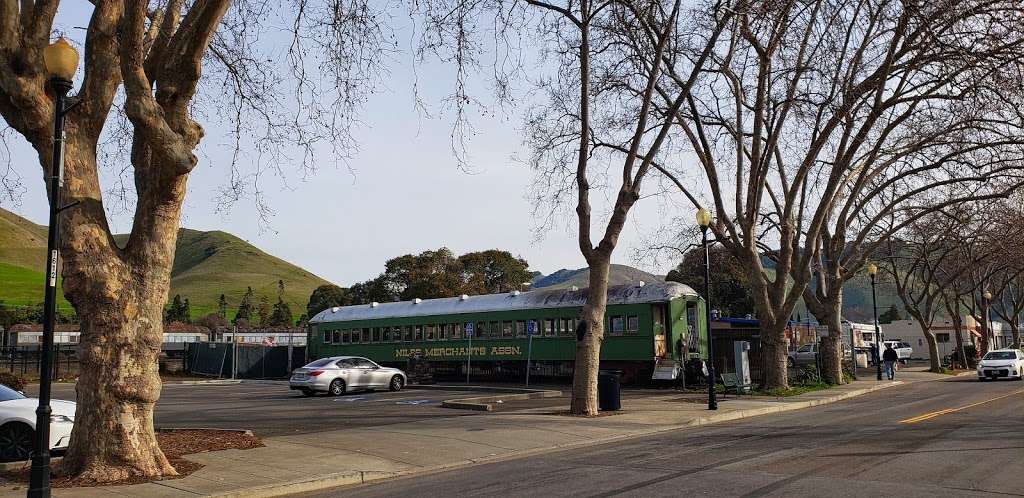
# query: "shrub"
[[13, 381]]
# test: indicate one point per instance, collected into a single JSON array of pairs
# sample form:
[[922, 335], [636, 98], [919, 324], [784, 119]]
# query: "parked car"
[[903, 350], [340, 374], [1000, 363], [804, 355], [18, 424]]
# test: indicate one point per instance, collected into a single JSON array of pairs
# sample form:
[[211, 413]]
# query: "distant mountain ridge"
[[618, 275], [206, 265]]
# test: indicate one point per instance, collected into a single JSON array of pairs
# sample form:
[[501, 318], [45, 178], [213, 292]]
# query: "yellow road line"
[[926, 416]]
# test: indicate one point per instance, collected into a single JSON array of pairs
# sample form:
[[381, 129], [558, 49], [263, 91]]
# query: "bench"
[[730, 381]]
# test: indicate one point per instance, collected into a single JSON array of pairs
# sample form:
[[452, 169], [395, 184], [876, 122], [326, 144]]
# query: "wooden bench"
[[730, 381]]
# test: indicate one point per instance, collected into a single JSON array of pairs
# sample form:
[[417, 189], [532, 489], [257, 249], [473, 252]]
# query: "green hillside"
[[206, 265]]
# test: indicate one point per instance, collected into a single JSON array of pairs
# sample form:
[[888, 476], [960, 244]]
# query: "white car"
[[1000, 363], [340, 374], [18, 424], [903, 350]]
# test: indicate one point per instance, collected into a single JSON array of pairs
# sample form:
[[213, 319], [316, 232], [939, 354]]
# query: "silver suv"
[[340, 374]]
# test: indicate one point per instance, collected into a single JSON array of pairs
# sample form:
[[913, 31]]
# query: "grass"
[[24, 287], [206, 265], [794, 391]]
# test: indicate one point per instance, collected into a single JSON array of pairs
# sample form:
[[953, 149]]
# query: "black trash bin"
[[608, 390]]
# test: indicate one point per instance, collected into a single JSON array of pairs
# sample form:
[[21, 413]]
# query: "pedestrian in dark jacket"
[[890, 357]]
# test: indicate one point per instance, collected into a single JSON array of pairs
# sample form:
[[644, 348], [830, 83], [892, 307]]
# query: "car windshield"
[[8, 394], [1000, 355], [320, 363]]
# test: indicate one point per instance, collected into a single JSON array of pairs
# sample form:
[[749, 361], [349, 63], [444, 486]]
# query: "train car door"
[[659, 332]]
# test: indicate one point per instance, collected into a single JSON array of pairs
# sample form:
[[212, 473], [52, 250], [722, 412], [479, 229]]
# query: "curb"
[[332, 481], [211, 382], [486, 403], [244, 432]]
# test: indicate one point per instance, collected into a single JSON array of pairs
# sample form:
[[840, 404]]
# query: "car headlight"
[[62, 419]]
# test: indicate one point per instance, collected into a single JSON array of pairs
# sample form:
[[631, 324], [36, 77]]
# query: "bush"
[[804, 376], [13, 381]]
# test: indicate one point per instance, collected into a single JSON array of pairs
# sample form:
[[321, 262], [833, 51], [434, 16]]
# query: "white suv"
[[1008, 363]]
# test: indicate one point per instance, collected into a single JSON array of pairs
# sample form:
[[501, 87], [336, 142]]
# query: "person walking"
[[889, 358]]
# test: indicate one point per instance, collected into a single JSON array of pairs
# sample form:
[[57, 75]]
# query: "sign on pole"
[[469, 349], [531, 328]]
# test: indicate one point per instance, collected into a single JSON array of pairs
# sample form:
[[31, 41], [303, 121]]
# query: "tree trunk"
[[933, 351], [588, 349], [1015, 331], [831, 352], [774, 354], [119, 295], [958, 333]]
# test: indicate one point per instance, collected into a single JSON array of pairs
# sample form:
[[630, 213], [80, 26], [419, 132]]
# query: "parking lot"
[[273, 410]]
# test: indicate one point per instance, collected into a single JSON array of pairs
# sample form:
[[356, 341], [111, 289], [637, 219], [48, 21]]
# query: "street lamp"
[[703, 221], [61, 60], [989, 336], [873, 270]]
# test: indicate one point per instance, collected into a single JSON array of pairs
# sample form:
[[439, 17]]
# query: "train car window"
[[355, 336], [418, 332], [506, 329], [443, 331], [327, 336], [567, 328], [493, 330], [520, 328], [407, 333], [376, 334], [366, 335], [430, 332], [632, 325], [618, 325], [550, 329], [456, 330]]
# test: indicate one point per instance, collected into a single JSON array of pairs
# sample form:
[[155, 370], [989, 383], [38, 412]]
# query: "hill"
[[206, 264], [619, 275]]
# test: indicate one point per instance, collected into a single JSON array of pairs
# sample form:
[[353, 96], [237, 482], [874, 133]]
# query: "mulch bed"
[[175, 444]]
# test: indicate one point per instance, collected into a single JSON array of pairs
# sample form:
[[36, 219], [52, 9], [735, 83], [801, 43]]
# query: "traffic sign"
[[531, 327], [469, 329]]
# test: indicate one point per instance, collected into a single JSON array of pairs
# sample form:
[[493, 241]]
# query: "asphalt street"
[[957, 437], [273, 410]]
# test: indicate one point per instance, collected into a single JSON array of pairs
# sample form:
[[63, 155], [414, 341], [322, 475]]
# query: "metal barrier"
[[25, 360]]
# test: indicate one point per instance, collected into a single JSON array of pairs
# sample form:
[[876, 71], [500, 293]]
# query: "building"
[[68, 333], [910, 332]]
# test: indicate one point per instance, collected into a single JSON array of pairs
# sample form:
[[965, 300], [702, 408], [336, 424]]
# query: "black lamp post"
[[704, 220], [872, 270], [989, 334], [61, 60]]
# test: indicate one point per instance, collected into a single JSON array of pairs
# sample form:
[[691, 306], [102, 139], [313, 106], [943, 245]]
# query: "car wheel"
[[15, 442], [337, 387], [308, 392], [396, 383]]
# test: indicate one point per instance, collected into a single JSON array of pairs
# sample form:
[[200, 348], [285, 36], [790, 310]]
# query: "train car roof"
[[536, 299]]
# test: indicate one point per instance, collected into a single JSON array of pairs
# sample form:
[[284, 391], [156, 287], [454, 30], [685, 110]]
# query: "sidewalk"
[[307, 462]]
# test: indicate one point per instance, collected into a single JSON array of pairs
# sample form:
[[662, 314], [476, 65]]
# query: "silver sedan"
[[340, 374]]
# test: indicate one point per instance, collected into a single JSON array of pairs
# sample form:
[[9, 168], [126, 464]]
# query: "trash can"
[[608, 392]]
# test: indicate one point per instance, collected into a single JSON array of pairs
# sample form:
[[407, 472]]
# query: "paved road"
[[272, 410], [896, 442]]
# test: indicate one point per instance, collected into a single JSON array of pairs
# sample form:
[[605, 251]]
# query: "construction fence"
[[242, 361]]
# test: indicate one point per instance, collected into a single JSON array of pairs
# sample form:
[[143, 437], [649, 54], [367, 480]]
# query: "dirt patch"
[[175, 444]]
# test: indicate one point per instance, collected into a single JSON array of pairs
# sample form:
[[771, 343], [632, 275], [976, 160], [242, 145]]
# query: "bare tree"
[[611, 56], [144, 78], [817, 120]]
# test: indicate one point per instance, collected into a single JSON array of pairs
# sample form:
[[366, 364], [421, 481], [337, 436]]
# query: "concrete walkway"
[[307, 462]]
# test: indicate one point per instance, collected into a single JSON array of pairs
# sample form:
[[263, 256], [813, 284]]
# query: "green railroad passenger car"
[[645, 325]]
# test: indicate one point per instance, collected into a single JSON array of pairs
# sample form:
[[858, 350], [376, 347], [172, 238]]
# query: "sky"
[[401, 192]]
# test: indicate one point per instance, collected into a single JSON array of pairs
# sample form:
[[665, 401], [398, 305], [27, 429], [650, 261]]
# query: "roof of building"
[[537, 299]]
